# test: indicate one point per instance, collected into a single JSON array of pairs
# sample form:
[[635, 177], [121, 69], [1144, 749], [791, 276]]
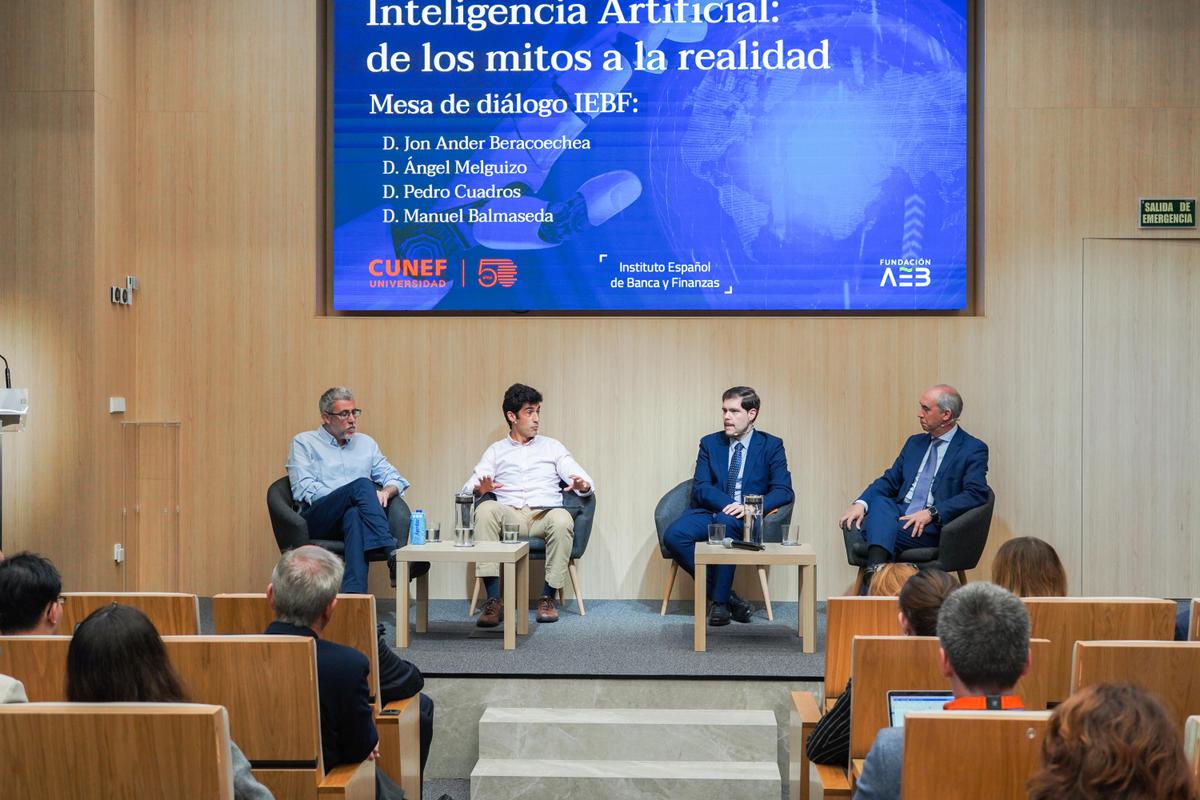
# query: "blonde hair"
[[889, 579], [1029, 567]]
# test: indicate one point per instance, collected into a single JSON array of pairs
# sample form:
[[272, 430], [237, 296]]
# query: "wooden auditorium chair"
[[1191, 743], [116, 751], [1168, 670], [40, 663], [1066, 620], [1194, 621], [173, 613], [354, 625], [883, 663], [994, 753], [846, 617], [269, 686]]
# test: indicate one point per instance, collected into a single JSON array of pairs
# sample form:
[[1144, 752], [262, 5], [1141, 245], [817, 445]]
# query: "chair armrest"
[[852, 536], [351, 781], [804, 717], [399, 726]]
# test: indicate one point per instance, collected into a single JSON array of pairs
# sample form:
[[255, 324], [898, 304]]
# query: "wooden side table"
[[514, 560], [776, 555]]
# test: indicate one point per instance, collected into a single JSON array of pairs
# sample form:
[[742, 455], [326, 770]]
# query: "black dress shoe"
[[739, 609], [718, 615]]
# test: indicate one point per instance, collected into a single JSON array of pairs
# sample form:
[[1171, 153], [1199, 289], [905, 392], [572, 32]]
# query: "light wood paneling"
[[171, 614], [115, 751], [1085, 107], [1168, 670], [1139, 488], [994, 754]]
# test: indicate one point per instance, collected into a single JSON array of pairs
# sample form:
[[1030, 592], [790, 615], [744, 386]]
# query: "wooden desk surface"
[[776, 554], [504, 552]]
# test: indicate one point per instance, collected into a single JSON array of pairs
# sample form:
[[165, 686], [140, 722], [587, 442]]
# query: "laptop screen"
[[903, 702]]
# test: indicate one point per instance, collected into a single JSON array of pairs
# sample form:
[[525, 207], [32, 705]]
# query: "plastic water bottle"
[[416, 528]]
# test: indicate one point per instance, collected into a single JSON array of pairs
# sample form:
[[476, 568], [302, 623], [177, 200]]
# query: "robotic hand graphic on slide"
[[593, 203]]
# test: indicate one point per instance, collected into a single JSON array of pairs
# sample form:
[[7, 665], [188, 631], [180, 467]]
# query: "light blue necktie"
[[735, 466], [925, 479]]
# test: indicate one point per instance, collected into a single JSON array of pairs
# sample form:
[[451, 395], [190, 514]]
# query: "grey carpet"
[[617, 638]]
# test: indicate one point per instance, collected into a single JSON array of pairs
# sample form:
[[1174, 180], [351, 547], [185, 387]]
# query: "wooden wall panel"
[[228, 179], [1085, 107]]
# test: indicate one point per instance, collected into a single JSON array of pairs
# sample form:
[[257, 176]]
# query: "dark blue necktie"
[[735, 466], [925, 479]]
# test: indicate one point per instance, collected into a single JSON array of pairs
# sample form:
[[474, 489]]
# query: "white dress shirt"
[[528, 474]]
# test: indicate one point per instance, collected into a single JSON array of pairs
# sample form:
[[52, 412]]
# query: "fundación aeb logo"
[[908, 278]]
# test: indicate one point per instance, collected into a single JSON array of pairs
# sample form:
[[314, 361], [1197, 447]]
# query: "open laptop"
[[901, 702]]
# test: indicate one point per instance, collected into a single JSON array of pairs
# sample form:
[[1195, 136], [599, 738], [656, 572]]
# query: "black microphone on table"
[[729, 544]]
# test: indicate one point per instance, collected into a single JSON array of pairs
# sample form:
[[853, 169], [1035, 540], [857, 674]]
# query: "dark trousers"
[[882, 527], [351, 513], [680, 540], [400, 679]]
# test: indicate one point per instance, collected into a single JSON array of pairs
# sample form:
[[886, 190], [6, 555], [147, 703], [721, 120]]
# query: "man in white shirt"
[[525, 472]]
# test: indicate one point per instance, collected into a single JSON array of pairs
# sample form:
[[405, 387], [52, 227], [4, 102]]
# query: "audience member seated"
[[117, 656], [30, 588], [400, 680], [303, 593], [12, 690], [1112, 740], [921, 595], [1029, 567], [984, 636]]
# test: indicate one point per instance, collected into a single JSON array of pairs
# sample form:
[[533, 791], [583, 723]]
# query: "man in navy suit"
[[939, 475], [731, 464]]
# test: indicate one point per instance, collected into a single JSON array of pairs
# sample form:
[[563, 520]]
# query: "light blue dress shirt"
[[317, 465]]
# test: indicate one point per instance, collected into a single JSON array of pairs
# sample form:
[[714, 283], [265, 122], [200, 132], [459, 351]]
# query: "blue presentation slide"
[[662, 156]]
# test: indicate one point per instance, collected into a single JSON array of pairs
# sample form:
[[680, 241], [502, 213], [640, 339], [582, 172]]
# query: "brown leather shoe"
[[546, 612], [492, 613]]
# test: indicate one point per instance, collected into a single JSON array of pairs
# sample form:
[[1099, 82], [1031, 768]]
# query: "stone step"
[[642, 734], [583, 779]]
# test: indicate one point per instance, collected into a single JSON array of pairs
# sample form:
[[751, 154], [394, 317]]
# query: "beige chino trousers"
[[555, 526]]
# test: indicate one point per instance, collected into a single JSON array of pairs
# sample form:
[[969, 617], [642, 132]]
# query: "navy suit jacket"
[[348, 732], [960, 483], [764, 472]]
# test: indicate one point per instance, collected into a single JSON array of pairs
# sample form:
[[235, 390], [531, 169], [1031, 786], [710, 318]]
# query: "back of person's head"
[[921, 599], [303, 584], [984, 632], [889, 578], [1029, 567], [116, 655], [29, 590], [1112, 740]]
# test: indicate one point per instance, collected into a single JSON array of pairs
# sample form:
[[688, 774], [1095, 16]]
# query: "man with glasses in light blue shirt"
[[343, 485]]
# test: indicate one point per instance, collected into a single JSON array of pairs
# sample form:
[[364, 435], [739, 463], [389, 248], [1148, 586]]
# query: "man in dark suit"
[[303, 593], [731, 464], [939, 475]]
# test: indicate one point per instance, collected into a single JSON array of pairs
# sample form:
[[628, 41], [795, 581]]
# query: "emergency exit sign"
[[1167, 213]]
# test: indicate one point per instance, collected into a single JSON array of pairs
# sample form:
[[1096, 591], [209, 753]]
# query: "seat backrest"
[[1191, 743], [994, 753], [1169, 670], [583, 509], [847, 617], [116, 750], [884, 663], [40, 663], [353, 624], [964, 539], [1066, 620], [173, 613], [670, 508], [269, 686]]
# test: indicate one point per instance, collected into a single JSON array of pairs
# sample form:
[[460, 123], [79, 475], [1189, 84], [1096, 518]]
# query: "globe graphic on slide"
[[779, 164]]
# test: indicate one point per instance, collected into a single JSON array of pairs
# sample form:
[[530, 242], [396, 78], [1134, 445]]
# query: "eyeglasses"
[[347, 414]]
